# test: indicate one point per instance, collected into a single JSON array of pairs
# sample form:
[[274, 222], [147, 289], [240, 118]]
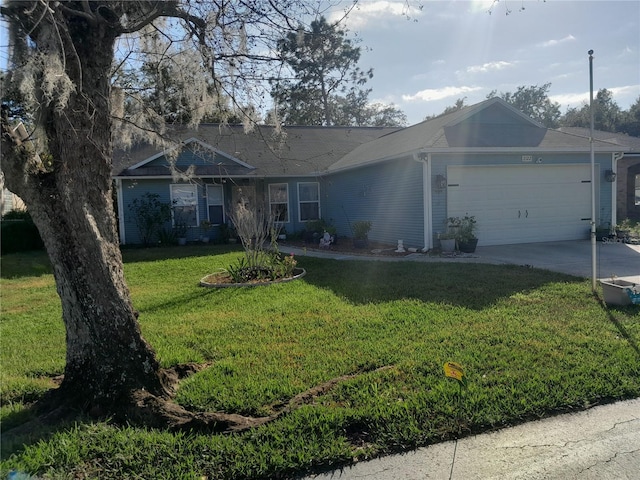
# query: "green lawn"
[[532, 343]]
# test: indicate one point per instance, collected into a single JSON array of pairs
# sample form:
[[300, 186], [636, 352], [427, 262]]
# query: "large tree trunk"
[[70, 201]]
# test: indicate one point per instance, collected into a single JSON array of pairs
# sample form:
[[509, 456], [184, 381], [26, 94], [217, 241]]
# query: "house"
[[218, 166], [522, 181]]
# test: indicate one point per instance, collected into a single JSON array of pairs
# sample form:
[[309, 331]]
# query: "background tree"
[[630, 122], [327, 87], [533, 101], [62, 65], [607, 115], [459, 105]]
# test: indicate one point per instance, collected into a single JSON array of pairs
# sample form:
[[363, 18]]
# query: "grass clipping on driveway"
[[532, 343]]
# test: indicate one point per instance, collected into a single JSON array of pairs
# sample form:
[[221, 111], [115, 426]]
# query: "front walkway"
[[571, 257]]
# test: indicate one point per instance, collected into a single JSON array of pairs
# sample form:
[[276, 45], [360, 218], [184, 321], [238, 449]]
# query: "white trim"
[[318, 201], [288, 220], [427, 215], [614, 188], [428, 203], [184, 143], [120, 200]]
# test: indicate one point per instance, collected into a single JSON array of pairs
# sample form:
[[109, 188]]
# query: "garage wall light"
[[440, 182], [610, 176]]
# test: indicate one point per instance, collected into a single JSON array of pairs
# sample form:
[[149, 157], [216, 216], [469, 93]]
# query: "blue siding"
[[390, 195], [132, 189]]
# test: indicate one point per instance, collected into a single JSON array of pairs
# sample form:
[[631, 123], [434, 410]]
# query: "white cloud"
[[571, 99], [372, 12], [431, 94], [621, 95], [489, 67], [555, 43]]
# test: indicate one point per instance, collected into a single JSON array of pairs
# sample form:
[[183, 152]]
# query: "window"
[[279, 202], [309, 201], [185, 205], [215, 204], [638, 189]]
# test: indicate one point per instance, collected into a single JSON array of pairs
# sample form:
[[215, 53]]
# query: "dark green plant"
[[225, 233], [17, 215], [167, 236], [361, 229], [19, 235], [149, 215], [463, 228]]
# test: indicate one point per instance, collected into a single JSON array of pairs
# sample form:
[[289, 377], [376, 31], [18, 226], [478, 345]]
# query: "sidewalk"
[[602, 443]]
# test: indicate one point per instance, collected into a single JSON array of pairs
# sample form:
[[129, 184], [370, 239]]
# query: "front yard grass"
[[532, 342]]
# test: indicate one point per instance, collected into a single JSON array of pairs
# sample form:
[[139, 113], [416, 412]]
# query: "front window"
[[279, 202], [185, 205], [309, 201], [215, 204], [638, 189]]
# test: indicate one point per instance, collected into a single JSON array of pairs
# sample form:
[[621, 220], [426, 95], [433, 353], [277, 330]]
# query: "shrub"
[[19, 233], [149, 215]]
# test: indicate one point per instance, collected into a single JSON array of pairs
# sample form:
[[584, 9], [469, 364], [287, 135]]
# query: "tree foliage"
[[534, 102], [327, 86], [606, 114]]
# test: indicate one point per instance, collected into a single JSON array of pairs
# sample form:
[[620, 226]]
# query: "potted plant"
[[205, 225], [181, 232], [447, 241], [465, 231], [361, 230]]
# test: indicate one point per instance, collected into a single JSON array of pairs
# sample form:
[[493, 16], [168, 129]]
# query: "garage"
[[522, 203]]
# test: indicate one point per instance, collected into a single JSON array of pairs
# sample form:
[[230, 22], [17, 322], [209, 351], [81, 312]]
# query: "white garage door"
[[522, 203]]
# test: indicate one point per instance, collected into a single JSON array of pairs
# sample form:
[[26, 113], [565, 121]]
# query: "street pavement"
[[600, 443]]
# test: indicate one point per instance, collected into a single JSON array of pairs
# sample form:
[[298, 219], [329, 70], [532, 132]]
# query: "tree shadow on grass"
[[469, 285], [36, 263], [611, 312]]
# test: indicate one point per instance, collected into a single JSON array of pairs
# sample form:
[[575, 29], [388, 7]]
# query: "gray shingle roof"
[[633, 143], [492, 124], [299, 151]]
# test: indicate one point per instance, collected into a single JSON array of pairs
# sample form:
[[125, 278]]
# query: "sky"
[[423, 60]]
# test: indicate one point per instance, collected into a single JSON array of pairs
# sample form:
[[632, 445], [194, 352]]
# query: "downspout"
[[614, 188], [427, 221], [120, 212]]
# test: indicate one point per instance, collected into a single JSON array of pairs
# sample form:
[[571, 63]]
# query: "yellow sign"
[[454, 370]]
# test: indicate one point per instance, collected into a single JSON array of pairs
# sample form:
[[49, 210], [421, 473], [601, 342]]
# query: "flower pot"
[[468, 246], [620, 292], [447, 244]]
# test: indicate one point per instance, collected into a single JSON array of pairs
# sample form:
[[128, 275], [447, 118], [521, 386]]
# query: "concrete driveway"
[[571, 257], [574, 257]]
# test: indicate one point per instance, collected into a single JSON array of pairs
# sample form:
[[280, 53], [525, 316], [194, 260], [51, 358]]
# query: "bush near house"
[[19, 233]]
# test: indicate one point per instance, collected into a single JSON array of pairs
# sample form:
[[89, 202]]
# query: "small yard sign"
[[454, 370]]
